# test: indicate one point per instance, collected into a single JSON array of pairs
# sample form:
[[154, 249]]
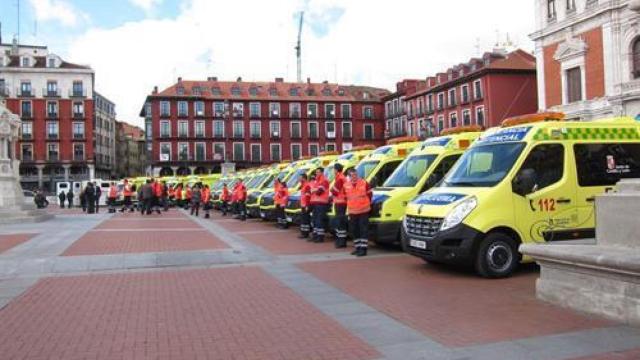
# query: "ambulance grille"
[[266, 201], [252, 199], [293, 204], [423, 226]]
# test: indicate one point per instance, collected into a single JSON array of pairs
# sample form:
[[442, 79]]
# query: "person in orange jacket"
[[241, 197], [280, 201], [225, 197], [158, 190], [340, 206], [187, 196], [359, 195], [233, 200], [112, 196], [206, 197], [177, 195], [127, 192], [305, 212], [320, 204]]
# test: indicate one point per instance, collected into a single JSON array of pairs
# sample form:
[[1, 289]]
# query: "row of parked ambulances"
[[470, 197]]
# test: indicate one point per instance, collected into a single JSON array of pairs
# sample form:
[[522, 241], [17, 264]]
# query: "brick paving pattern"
[[119, 242], [454, 308], [148, 223], [232, 313], [10, 241], [618, 355]]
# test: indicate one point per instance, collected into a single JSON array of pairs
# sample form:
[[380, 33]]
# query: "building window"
[[346, 130], [253, 91], [27, 152], [180, 90], [293, 92], [313, 130], [27, 130], [26, 109], [368, 132], [165, 108], [480, 116], [165, 129], [464, 93], [52, 109], [196, 90], [183, 108], [453, 120], [183, 128], [571, 6], [329, 111], [573, 78], [25, 88], [466, 117], [255, 110], [165, 152], [430, 103], [440, 123], [235, 91], [273, 91], [78, 130], [77, 88], [274, 129], [330, 129], [218, 129], [78, 109], [294, 110], [238, 129], [275, 152], [330, 147], [345, 109], [78, 152], [218, 151], [26, 62], [296, 131], [440, 101], [313, 150], [199, 128], [183, 151], [296, 151], [238, 110], [477, 89], [256, 153], [198, 108], [201, 153], [635, 54], [368, 112], [52, 152], [218, 109], [215, 91], [452, 97], [148, 130], [52, 130], [255, 129], [274, 110], [238, 151], [52, 88], [312, 111]]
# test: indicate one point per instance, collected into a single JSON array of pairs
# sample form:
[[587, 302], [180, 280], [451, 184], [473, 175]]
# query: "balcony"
[[77, 93], [238, 137], [346, 136], [25, 92], [77, 136], [78, 116], [183, 114], [218, 136], [296, 136], [254, 116], [199, 135], [217, 114], [255, 136], [294, 115], [478, 97], [313, 137], [26, 137], [465, 100], [165, 135], [52, 136], [52, 115], [78, 157], [27, 158], [26, 115], [238, 114], [53, 157], [51, 93], [4, 91]]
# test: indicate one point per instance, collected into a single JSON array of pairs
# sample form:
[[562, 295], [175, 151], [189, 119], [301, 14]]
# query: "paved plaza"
[[172, 286]]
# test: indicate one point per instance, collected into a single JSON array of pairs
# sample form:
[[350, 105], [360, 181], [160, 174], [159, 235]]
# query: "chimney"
[[239, 79], [279, 79], [325, 82], [308, 80], [155, 90], [14, 46], [180, 79], [212, 78]]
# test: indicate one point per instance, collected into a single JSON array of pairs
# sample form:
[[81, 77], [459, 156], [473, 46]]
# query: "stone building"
[[104, 136], [131, 154]]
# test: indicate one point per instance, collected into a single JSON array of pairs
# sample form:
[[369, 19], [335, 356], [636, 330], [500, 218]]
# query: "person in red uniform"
[[359, 195], [340, 206], [225, 197], [281, 198], [241, 198], [177, 195], [158, 190], [320, 204], [233, 200], [126, 194], [305, 213], [187, 196], [112, 196], [206, 197]]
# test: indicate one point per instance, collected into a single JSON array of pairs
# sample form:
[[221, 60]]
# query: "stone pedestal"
[[602, 279], [13, 208]]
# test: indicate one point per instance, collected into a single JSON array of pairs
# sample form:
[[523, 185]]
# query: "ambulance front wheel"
[[497, 256]]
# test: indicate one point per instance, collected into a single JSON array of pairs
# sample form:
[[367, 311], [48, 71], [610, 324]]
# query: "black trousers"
[[341, 223], [359, 226], [281, 216], [305, 221], [195, 208], [224, 206], [319, 219]]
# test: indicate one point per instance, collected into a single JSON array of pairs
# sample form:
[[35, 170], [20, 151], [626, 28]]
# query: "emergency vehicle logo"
[[506, 135], [437, 199]]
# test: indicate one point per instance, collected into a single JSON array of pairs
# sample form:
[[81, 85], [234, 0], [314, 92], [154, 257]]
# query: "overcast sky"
[[136, 44]]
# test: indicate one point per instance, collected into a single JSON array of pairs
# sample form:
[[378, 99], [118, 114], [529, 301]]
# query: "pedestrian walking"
[[127, 192], [90, 198], [62, 197], [359, 195], [280, 201], [339, 207], [196, 198], [206, 197], [83, 199], [241, 197], [112, 196], [98, 195], [305, 213], [320, 204], [225, 196], [146, 191], [70, 198]]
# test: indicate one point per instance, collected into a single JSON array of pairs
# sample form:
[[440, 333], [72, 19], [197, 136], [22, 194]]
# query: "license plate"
[[418, 244], [289, 219], [263, 215]]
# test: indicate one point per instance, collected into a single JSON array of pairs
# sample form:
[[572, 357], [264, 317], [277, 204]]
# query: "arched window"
[[635, 58]]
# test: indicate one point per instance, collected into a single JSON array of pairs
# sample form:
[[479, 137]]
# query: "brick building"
[[104, 136], [483, 91], [196, 125], [131, 150], [54, 98], [395, 113], [588, 55]]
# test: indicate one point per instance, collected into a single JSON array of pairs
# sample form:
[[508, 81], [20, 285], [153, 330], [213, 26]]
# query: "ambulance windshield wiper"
[[461, 184]]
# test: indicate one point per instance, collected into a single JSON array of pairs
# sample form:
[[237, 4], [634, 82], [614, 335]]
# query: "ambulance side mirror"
[[525, 182]]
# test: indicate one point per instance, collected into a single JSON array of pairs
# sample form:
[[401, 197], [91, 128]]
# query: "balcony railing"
[[25, 93], [78, 93], [77, 157], [78, 136], [165, 135], [51, 92], [52, 115], [4, 91], [254, 116], [255, 136], [52, 136], [27, 157], [26, 136], [78, 116], [26, 115], [53, 157]]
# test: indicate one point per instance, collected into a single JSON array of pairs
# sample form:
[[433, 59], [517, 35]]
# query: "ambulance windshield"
[[410, 171], [484, 165], [365, 168]]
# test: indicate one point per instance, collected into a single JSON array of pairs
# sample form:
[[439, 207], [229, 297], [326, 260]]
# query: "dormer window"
[[293, 92], [326, 92], [235, 91], [26, 62], [341, 92], [474, 67], [253, 91], [215, 91], [273, 92], [461, 72], [196, 91], [180, 90], [51, 62], [310, 92]]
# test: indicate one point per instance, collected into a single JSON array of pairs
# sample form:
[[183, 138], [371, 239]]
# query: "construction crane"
[[299, 47]]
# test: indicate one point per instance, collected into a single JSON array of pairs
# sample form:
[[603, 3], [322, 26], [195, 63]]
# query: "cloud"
[[348, 41], [58, 10], [145, 5]]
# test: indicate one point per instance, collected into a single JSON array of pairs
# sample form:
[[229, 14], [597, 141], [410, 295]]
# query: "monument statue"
[[12, 203]]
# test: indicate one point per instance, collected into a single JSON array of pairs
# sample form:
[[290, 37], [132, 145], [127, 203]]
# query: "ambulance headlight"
[[459, 213]]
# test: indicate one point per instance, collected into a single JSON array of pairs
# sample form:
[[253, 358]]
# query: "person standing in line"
[[320, 204], [112, 196], [165, 196], [224, 199], [62, 198], [305, 213], [281, 203], [70, 198], [187, 196], [157, 195], [234, 200], [90, 198], [177, 196], [241, 198], [146, 191], [126, 196], [83, 199], [171, 194], [359, 195], [340, 207], [206, 197], [196, 198], [98, 195]]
